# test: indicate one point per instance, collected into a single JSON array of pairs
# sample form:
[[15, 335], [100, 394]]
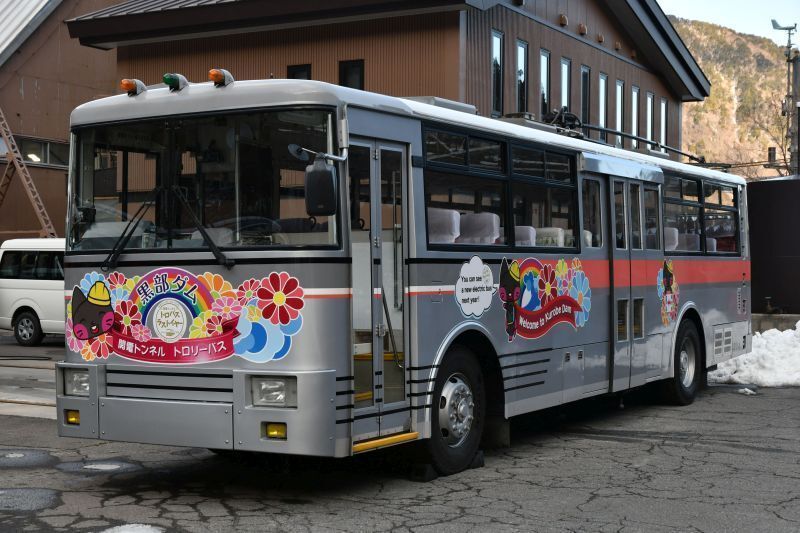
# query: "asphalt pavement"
[[728, 462]]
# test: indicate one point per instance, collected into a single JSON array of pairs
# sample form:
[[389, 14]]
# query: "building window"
[[566, 83], [586, 93], [351, 74], [497, 73], [544, 82], [298, 72], [522, 76], [649, 119], [602, 106], [38, 152], [620, 111], [663, 125], [635, 116]]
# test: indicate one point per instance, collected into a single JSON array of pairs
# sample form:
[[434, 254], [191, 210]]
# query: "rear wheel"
[[27, 329], [683, 387], [458, 416]]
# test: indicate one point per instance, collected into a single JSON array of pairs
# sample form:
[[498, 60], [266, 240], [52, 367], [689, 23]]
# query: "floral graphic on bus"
[[668, 293], [537, 295], [170, 315]]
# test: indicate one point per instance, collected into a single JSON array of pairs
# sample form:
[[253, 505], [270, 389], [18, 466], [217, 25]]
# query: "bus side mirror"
[[320, 189]]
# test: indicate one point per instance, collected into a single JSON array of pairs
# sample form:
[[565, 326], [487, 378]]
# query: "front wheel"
[[683, 387], [458, 412], [27, 329]]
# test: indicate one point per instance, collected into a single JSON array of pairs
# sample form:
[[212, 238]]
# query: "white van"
[[32, 288]]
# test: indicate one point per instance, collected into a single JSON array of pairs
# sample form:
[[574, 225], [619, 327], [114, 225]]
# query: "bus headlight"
[[269, 391], [76, 382]]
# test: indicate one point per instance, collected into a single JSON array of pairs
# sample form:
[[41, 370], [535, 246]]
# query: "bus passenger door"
[[629, 284], [377, 172]]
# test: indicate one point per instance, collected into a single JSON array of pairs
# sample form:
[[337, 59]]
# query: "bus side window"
[[651, 222], [9, 265], [592, 217]]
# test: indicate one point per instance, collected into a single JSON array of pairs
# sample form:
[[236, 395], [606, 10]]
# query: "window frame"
[[602, 108], [522, 97], [619, 112], [566, 88], [507, 177], [635, 95], [650, 99], [586, 94], [702, 204], [544, 84], [292, 70], [601, 198], [343, 65], [663, 113], [659, 218], [496, 97], [44, 152]]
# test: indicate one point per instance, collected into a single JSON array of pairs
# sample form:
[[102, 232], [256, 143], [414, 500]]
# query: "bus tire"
[[458, 412], [27, 329], [688, 371]]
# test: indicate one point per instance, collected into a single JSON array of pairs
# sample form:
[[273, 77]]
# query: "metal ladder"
[[16, 162]]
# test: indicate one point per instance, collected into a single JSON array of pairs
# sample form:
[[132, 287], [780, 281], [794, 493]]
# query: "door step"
[[381, 442]]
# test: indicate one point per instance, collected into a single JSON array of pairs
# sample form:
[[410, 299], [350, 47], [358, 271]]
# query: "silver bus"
[[294, 267]]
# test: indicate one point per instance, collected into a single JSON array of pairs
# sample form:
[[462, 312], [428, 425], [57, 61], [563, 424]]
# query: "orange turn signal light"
[[72, 417], [220, 77], [132, 86]]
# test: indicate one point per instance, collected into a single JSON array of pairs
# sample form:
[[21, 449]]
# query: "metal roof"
[[20, 20], [159, 101]]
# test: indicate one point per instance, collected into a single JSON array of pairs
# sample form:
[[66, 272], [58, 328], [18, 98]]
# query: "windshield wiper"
[[112, 257], [222, 259]]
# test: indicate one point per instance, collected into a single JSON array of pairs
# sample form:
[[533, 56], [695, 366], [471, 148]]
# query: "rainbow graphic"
[[529, 273], [172, 283]]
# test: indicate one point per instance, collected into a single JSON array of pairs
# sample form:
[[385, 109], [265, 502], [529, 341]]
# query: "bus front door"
[[629, 284], [377, 186]]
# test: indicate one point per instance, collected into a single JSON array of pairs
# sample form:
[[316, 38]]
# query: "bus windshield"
[[233, 171]]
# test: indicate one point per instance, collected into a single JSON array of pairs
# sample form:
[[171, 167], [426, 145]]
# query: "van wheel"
[[458, 412], [683, 387], [27, 329]]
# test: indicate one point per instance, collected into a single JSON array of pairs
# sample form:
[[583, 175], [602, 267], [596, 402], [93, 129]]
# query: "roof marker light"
[[175, 81], [220, 77], [132, 86]]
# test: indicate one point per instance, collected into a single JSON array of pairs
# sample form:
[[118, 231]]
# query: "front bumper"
[[311, 427]]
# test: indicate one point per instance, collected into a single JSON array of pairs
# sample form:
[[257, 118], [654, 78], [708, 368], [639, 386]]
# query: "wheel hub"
[[25, 328], [456, 410], [687, 364]]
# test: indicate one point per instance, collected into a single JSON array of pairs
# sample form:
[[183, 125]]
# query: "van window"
[[50, 265], [18, 265]]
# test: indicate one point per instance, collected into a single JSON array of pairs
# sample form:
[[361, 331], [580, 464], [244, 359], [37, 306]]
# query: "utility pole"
[[790, 107]]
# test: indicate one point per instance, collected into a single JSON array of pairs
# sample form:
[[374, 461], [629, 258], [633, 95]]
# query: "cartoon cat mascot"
[[92, 315], [509, 291]]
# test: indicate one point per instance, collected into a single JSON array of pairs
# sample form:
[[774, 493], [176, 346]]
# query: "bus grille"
[[164, 385]]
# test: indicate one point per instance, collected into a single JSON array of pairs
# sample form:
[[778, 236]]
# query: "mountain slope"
[[742, 117]]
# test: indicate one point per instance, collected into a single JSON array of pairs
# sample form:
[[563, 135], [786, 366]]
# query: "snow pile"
[[774, 361]]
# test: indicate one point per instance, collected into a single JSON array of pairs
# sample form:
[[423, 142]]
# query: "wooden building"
[[44, 74], [615, 63]]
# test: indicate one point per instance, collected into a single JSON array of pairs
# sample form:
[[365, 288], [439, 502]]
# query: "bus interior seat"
[[525, 235], [670, 239], [220, 236], [104, 234], [444, 225], [711, 244], [587, 238], [479, 228], [550, 237], [300, 225], [689, 242]]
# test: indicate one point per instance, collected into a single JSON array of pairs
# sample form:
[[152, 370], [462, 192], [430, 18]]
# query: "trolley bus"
[[294, 267]]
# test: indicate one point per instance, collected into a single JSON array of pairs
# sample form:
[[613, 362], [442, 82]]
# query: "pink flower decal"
[[126, 315], [214, 325], [547, 285], [247, 291], [116, 280], [73, 342], [97, 347], [140, 332], [227, 307], [280, 298]]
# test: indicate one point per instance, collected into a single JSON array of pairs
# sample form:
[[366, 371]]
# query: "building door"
[[377, 185], [629, 269]]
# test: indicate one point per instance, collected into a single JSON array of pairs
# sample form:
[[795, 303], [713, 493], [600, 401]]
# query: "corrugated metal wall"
[[403, 56]]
